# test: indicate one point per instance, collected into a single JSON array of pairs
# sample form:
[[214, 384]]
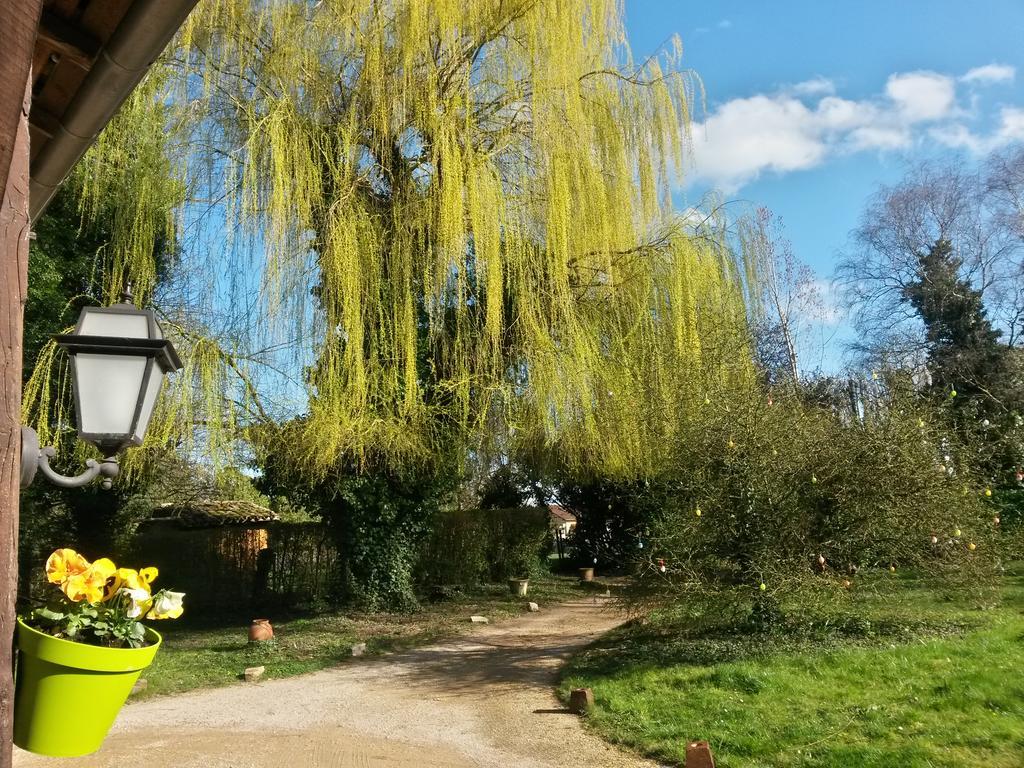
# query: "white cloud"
[[746, 136], [990, 73], [838, 114], [880, 137], [1011, 125], [722, 24], [1009, 130], [816, 86], [800, 126], [922, 95]]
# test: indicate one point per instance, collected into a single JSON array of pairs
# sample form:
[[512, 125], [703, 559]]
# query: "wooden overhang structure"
[[66, 66]]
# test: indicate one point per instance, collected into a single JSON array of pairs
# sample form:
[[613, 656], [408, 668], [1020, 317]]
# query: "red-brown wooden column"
[[13, 287], [17, 39]]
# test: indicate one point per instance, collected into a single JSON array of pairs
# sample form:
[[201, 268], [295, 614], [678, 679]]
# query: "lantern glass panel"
[[109, 387], [156, 378], [123, 324]]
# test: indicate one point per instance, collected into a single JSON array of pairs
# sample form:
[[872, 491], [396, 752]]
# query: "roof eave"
[[129, 53]]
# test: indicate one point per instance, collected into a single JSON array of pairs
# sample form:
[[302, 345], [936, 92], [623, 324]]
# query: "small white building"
[[563, 522]]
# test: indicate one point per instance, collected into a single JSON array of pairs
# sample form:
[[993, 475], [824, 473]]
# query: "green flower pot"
[[68, 694]]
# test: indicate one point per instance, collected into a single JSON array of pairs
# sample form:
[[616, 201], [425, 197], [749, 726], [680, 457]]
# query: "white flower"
[[167, 605], [139, 600]]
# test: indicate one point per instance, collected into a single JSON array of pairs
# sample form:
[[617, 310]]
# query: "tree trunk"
[[14, 229]]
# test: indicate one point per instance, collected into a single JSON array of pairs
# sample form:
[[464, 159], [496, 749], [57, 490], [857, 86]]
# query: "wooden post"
[[14, 229], [698, 755]]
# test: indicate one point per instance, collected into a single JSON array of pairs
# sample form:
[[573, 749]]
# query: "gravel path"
[[485, 699]]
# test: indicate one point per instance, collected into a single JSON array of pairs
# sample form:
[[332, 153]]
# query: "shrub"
[[469, 547], [767, 503]]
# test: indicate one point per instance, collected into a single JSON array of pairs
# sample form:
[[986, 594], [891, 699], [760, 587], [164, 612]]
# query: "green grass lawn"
[[914, 679], [199, 658]]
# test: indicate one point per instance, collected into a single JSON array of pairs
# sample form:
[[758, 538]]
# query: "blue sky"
[[812, 105]]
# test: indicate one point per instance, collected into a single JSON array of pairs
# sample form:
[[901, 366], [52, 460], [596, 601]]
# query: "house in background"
[[563, 523]]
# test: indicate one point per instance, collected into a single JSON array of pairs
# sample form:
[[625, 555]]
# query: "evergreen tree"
[[967, 362], [964, 351]]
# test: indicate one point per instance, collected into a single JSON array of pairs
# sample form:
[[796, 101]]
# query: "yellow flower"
[[129, 578], [167, 605], [89, 585], [63, 564], [149, 574]]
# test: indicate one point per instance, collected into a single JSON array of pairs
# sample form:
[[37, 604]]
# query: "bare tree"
[[791, 297], [1004, 191], [970, 209]]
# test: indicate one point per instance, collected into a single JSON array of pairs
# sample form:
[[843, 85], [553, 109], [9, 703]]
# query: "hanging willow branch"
[[483, 217]]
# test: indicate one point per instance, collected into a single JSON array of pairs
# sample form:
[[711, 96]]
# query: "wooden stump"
[[581, 700], [698, 755]]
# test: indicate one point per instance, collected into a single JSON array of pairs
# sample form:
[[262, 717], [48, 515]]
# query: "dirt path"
[[482, 700]]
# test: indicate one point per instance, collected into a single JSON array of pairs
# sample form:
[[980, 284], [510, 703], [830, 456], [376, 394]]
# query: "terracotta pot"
[[586, 574], [518, 586], [260, 631]]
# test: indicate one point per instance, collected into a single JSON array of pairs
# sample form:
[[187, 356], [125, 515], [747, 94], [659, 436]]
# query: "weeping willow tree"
[[464, 209], [458, 215]]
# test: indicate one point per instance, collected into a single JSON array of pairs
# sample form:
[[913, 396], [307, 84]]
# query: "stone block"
[[534, 607], [253, 674], [479, 619], [359, 649]]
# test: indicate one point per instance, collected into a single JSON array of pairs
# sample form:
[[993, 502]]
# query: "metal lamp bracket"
[[34, 458]]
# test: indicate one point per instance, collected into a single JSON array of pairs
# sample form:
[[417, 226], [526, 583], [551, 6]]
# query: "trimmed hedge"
[[475, 546]]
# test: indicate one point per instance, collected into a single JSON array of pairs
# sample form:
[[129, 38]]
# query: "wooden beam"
[[14, 231], [72, 43], [44, 121], [19, 20]]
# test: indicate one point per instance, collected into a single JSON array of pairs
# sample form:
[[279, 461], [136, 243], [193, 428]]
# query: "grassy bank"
[[200, 658], [905, 676]]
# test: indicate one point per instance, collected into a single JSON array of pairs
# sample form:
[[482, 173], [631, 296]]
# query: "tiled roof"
[[561, 514], [212, 514]]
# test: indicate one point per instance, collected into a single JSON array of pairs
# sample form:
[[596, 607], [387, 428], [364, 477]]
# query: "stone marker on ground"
[[581, 700], [698, 755], [359, 649], [253, 674], [534, 607], [140, 685], [479, 619]]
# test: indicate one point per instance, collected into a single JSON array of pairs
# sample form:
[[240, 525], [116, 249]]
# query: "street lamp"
[[119, 358]]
